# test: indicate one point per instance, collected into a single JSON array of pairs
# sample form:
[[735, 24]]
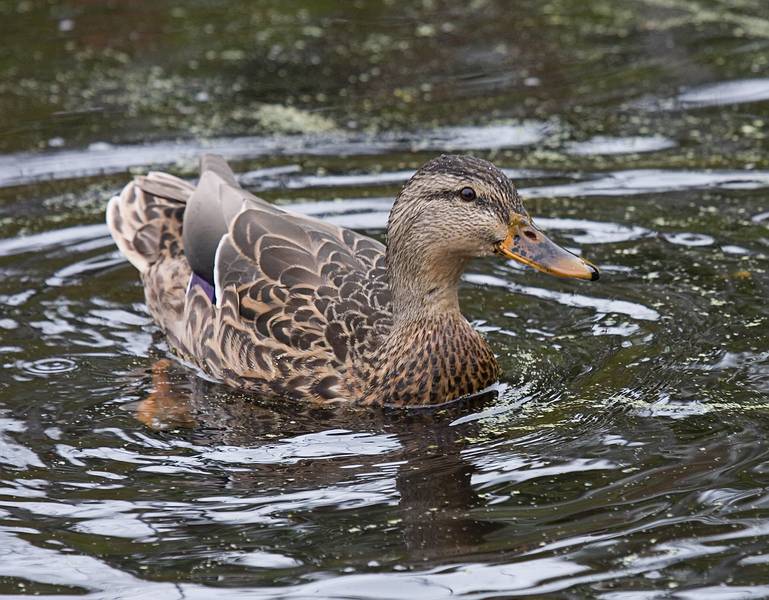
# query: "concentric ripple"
[[49, 366]]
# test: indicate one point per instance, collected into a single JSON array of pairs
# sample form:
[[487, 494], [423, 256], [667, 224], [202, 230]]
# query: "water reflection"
[[624, 145], [726, 92], [105, 159], [423, 453]]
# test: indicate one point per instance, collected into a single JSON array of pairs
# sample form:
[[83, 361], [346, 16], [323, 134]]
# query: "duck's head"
[[456, 208]]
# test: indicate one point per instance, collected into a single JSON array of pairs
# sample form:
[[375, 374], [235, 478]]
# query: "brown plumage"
[[307, 310]]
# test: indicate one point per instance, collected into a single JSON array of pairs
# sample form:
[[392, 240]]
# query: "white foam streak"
[[600, 305]]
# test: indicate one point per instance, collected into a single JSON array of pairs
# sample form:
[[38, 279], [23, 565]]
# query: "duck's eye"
[[467, 194]]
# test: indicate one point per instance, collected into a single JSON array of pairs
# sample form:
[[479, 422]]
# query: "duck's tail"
[[145, 220]]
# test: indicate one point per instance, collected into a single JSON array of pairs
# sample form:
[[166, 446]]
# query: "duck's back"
[[257, 297]]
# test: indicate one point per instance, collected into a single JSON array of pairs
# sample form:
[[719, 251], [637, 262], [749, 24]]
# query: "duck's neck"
[[432, 355], [424, 284]]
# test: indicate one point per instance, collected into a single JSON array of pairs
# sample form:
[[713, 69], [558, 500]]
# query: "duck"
[[285, 305]]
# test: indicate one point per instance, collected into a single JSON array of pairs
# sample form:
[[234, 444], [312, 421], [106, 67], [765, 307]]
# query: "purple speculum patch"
[[204, 285]]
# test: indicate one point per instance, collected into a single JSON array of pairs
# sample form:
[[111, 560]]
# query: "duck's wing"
[[216, 201], [297, 298]]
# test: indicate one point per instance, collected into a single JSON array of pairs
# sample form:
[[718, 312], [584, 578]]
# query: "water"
[[625, 453]]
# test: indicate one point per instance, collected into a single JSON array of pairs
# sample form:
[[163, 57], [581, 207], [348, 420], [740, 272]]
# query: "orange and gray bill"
[[528, 245]]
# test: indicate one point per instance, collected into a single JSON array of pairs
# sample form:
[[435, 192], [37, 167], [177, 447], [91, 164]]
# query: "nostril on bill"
[[530, 234]]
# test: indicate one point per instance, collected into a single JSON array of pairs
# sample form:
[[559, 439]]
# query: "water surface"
[[625, 453]]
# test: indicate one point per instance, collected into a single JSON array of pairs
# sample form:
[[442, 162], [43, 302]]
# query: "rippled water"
[[625, 452]]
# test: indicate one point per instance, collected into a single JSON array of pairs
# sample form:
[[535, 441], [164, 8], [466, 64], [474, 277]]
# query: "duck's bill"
[[528, 245]]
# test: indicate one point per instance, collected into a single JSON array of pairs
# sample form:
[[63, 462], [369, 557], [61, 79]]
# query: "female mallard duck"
[[274, 302]]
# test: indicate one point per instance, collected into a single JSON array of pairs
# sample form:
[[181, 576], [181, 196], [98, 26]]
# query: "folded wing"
[[300, 303]]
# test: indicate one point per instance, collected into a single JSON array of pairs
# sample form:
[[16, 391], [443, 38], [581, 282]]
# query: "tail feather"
[[145, 220], [217, 164], [165, 185]]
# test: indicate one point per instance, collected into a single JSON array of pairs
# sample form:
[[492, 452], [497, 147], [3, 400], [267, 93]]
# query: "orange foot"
[[168, 405]]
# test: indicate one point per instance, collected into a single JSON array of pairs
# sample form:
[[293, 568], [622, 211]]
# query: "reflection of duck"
[[280, 303], [413, 459]]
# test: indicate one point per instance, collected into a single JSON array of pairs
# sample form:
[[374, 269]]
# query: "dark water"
[[626, 454]]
